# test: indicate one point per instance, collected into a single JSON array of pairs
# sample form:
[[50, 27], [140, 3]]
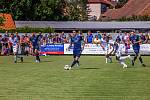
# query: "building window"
[[103, 8]]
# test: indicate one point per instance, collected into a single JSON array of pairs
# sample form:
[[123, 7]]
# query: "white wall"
[[95, 10]]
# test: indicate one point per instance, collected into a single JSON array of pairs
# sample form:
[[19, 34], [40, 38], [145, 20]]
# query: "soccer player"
[[107, 47], [118, 53], [135, 39], [126, 41], [15, 43], [76, 41], [35, 46]]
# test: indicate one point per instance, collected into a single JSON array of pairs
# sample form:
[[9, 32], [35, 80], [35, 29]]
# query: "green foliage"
[[2, 20], [135, 18], [45, 9], [30, 30]]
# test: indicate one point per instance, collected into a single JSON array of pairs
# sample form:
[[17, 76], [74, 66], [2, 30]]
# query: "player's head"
[[103, 35], [16, 33], [74, 33], [89, 32], [12, 35], [96, 36], [33, 33], [133, 33]]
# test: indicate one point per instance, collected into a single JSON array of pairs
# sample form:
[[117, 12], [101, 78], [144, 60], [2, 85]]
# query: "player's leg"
[[123, 63], [136, 51], [37, 57], [76, 56], [121, 60], [141, 60], [36, 53], [15, 53]]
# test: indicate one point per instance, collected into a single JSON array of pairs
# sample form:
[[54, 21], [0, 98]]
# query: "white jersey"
[[107, 46], [119, 50], [14, 42]]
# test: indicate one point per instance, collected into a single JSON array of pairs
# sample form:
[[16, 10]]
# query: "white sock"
[[123, 64], [123, 58], [106, 60]]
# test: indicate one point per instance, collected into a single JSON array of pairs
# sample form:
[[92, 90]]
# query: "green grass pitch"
[[93, 80]]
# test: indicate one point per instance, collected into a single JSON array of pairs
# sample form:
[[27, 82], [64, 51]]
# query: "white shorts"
[[118, 54], [107, 51]]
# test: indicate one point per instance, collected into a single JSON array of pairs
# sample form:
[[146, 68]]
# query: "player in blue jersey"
[[15, 44], [35, 46], [135, 40], [77, 42]]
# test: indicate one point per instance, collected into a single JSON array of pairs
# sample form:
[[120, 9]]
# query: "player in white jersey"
[[15, 44], [107, 47], [118, 53]]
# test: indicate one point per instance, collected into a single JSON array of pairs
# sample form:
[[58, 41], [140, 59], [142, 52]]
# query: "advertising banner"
[[52, 49], [97, 49]]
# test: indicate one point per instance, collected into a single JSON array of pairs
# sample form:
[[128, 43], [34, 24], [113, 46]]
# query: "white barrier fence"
[[97, 49]]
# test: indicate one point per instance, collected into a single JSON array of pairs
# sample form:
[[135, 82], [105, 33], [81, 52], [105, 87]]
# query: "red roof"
[[100, 1], [132, 7]]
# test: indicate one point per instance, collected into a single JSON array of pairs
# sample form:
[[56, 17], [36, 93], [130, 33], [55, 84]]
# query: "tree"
[[2, 20], [45, 9]]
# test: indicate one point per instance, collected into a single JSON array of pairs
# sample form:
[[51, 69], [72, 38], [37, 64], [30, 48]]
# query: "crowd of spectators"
[[60, 38]]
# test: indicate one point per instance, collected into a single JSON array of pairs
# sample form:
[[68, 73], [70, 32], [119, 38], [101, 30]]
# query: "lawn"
[[93, 80]]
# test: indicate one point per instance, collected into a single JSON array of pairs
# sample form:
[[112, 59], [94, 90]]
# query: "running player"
[[135, 39], [15, 44], [118, 53], [76, 41], [35, 45], [107, 47]]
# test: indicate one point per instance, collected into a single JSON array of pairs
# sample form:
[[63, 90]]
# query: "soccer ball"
[[66, 67]]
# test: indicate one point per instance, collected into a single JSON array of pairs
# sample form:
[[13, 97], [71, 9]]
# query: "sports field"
[[93, 80]]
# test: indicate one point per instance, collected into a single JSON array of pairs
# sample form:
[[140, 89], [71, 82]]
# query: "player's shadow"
[[43, 61], [90, 68], [46, 61]]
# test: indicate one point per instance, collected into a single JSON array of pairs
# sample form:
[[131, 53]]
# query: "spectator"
[[89, 37], [146, 39], [0, 44], [96, 40], [99, 35], [22, 44], [142, 37], [56, 39]]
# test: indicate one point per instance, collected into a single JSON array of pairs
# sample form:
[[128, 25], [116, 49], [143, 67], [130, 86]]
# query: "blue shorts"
[[35, 47], [136, 49], [76, 53]]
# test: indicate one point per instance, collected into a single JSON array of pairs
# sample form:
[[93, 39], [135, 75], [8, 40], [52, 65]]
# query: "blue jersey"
[[77, 41], [34, 40], [135, 41], [89, 38]]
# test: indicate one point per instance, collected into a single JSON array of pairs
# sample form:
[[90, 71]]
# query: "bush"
[[30, 30]]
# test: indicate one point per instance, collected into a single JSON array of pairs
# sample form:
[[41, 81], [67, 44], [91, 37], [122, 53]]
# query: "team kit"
[[77, 42]]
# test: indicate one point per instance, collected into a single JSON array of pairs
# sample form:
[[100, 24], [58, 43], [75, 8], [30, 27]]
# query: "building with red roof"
[[132, 7], [97, 7]]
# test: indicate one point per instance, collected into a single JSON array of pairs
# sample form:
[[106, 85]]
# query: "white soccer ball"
[[66, 67]]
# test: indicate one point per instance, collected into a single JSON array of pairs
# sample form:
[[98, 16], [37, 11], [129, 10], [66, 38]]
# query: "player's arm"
[[70, 45]]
